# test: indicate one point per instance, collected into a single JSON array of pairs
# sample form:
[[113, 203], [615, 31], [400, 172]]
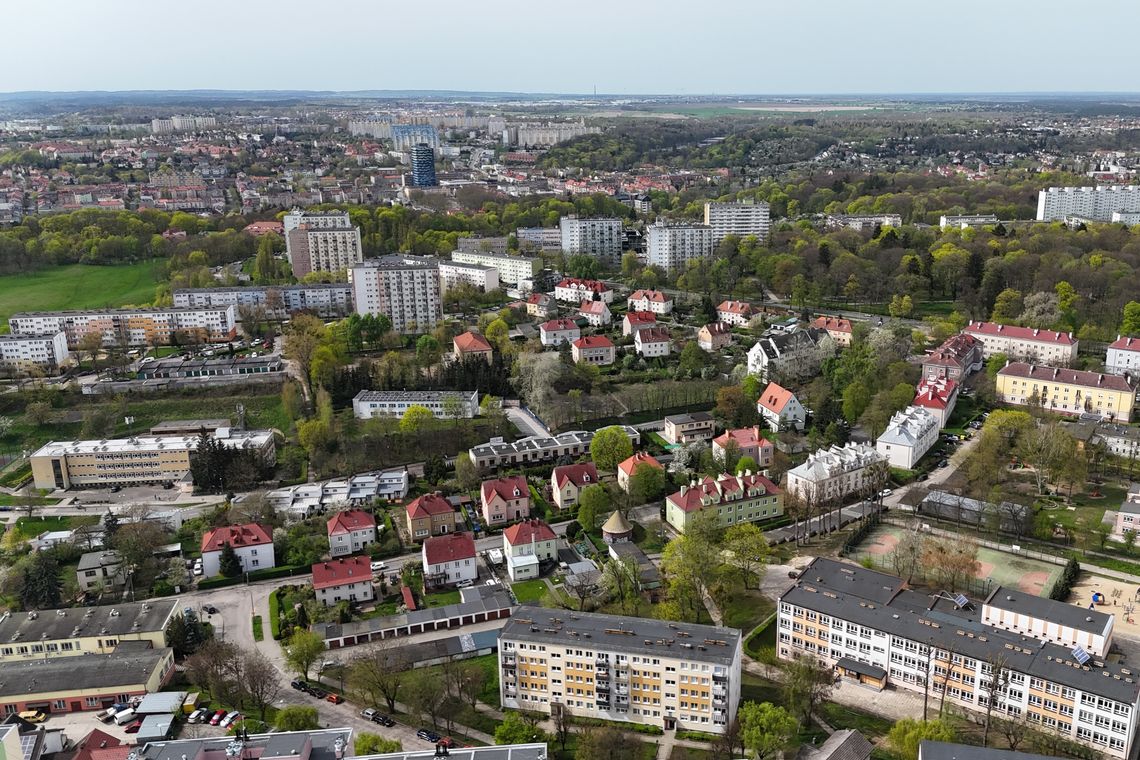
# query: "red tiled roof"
[[505, 487], [1071, 376], [538, 298], [337, 572], [558, 325], [953, 350], [593, 307], [350, 520], [448, 548], [576, 474], [935, 394], [1126, 343], [100, 745], [653, 335], [1020, 333], [718, 328], [749, 436], [656, 296], [638, 458], [836, 324], [594, 341], [427, 505], [250, 534], [528, 530], [641, 318], [735, 307], [592, 285], [775, 398], [470, 341], [689, 499]]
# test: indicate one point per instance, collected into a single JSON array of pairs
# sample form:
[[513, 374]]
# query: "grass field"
[[529, 591], [30, 527], [78, 286]]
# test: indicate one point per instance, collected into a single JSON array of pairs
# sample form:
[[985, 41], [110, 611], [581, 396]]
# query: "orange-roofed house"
[[351, 531], [343, 580], [838, 328], [780, 408], [749, 443], [257, 229], [449, 559], [567, 482], [748, 497], [505, 499], [526, 546], [714, 336], [252, 543], [734, 312], [430, 515], [471, 344], [629, 466], [593, 349]]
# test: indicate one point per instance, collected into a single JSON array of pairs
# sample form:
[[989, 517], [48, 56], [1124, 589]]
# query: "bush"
[[573, 529], [275, 615], [637, 728], [1064, 584], [257, 575]]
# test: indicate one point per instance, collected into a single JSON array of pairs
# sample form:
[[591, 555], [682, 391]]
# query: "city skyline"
[[828, 48]]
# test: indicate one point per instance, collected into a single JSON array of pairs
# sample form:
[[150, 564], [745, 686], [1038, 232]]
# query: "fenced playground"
[[996, 568]]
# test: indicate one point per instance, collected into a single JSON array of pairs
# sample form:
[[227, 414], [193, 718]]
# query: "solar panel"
[[961, 600], [1080, 655]]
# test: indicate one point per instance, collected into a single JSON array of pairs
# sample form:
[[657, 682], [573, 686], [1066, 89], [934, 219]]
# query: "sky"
[[572, 46]]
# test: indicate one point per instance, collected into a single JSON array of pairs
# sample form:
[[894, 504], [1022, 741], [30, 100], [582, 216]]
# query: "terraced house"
[[746, 497], [1037, 660]]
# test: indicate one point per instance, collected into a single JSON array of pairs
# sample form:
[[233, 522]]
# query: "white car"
[[465, 584], [378, 566], [885, 492]]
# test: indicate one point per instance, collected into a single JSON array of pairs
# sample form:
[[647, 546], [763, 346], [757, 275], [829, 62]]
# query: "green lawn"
[[30, 527], [258, 634], [840, 717], [78, 286], [529, 591], [746, 609], [22, 501], [441, 598]]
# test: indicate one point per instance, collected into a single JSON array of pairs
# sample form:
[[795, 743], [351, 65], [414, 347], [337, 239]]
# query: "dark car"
[[428, 736], [318, 693], [211, 609], [299, 685], [383, 720]]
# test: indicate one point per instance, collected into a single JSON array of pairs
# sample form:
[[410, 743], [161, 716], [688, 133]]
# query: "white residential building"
[[542, 238], [966, 221], [1123, 357], [526, 545], [405, 292], [1096, 204], [351, 531], [449, 559], [650, 300], [575, 291], [601, 237], [909, 435], [831, 475], [780, 408], [596, 313], [326, 299], [131, 327], [652, 341], [19, 353], [317, 220], [343, 580], [673, 246], [790, 356], [558, 331], [443, 404], [741, 219], [478, 276], [252, 543], [513, 270]]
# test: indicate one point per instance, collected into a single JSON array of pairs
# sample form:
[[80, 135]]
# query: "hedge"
[[275, 615], [257, 575], [697, 736], [637, 728]]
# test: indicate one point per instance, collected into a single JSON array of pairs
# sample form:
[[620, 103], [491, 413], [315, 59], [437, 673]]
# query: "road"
[[525, 420]]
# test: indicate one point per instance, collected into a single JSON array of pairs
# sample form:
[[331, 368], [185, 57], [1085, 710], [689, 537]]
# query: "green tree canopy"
[[610, 447]]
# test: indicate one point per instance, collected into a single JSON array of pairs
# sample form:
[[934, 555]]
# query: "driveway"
[[523, 419]]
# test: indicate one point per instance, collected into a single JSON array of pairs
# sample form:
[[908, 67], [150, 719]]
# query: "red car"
[[336, 699], [447, 741], [218, 715], [134, 727]]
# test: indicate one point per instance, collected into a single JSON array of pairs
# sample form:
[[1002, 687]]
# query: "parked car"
[[369, 713], [383, 720], [299, 685], [318, 693], [123, 717], [211, 609], [465, 584], [428, 736], [198, 716], [33, 716], [134, 727], [230, 719], [377, 566], [446, 741], [336, 699], [217, 717], [885, 492]]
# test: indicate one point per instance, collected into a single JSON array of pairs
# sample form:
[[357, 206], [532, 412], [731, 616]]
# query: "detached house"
[[472, 344], [351, 531], [749, 443], [630, 465], [252, 543], [714, 336], [558, 331], [635, 321], [650, 300], [938, 396], [540, 305], [526, 545], [574, 290], [596, 313], [840, 330], [957, 357], [449, 559], [505, 499], [343, 580], [567, 482], [686, 428], [736, 499], [593, 349], [781, 409], [653, 341], [430, 515], [734, 312]]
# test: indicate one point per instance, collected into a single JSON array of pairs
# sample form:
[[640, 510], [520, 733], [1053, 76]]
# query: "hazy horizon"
[[725, 47]]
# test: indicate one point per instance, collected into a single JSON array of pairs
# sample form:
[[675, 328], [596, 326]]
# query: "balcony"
[[508, 659], [719, 700], [720, 679]]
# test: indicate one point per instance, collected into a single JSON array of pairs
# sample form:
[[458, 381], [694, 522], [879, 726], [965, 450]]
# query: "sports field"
[[1001, 569], [78, 286]]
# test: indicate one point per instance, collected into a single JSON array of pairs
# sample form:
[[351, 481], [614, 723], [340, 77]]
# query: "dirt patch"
[[882, 545], [1033, 583], [985, 570]]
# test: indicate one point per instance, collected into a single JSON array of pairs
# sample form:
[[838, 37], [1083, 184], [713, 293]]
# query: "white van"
[[123, 717]]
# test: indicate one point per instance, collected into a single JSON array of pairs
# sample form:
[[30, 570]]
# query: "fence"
[[976, 587]]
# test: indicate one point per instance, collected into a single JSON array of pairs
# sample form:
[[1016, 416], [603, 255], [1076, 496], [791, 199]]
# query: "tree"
[[1047, 449], [693, 358], [516, 730], [765, 728], [373, 744], [38, 412], [610, 447], [41, 586], [260, 681], [1130, 324], [621, 579], [302, 651], [467, 474], [808, 682], [746, 464], [900, 306], [380, 672], [906, 734], [731, 405], [415, 419], [748, 550], [297, 718], [595, 500], [184, 635], [646, 484], [608, 743], [582, 586], [470, 679], [425, 695], [229, 564], [1007, 306]]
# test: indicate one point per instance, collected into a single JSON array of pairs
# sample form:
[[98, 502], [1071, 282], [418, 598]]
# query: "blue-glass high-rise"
[[423, 165]]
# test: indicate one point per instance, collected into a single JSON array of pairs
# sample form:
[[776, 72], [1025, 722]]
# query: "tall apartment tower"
[[673, 246], [423, 166], [741, 219], [315, 249], [405, 291], [598, 237]]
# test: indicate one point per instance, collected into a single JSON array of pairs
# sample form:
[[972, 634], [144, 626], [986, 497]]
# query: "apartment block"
[[860, 222], [908, 436], [329, 300], [541, 238], [442, 404], [533, 449], [48, 634], [597, 237], [673, 246], [128, 461], [687, 428], [317, 220], [20, 353], [453, 273], [1036, 660], [1066, 391], [351, 531], [497, 245], [830, 475], [408, 293], [741, 219], [635, 670], [1098, 204], [132, 327], [1028, 344], [513, 270], [966, 221], [319, 249], [956, 359], [1123, 356], [747, 497]]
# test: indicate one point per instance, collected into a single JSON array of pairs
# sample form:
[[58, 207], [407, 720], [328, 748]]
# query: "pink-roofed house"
[[749, 443], [637, 320], [505, 499], [650, 300], [734, 312], [596, 313]]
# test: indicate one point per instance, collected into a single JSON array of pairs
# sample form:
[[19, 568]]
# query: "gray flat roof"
[[97, 559], [709, 643], [1078, 618], [131, 666], [296, 745], [929, 750], [475, 600], [413, 395], [162, 702], [682, 419], [499, 752], [110, 620]]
